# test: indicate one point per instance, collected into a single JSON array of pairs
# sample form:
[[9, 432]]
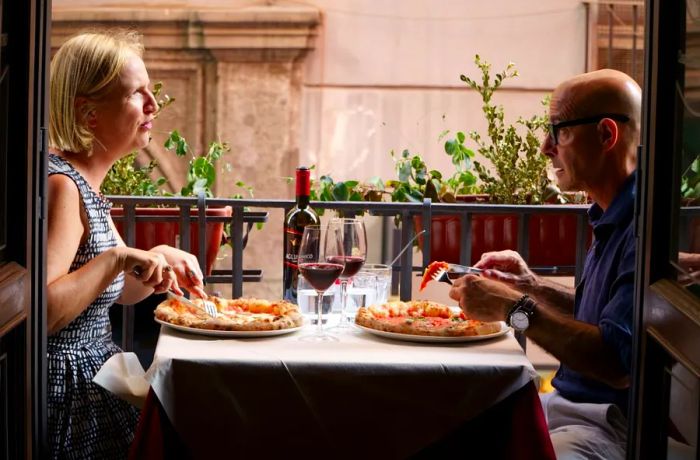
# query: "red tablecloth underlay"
[[514, 428]]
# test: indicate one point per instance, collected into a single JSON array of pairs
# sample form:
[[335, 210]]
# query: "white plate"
[[435, 339], [216, 333]]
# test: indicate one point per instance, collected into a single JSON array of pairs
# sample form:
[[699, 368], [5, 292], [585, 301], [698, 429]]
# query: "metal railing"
[[244, 213]]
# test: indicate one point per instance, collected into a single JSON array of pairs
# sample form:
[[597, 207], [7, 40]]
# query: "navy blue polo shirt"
[[604, 296]]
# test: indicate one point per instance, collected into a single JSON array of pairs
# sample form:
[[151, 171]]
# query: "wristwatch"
[[520, 314]]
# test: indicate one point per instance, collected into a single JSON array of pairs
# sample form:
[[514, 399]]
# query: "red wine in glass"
[[322, 275], [354, 241], [353, 264]]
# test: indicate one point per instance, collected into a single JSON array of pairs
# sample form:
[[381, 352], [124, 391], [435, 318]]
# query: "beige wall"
[[336, 83], [383, 77]]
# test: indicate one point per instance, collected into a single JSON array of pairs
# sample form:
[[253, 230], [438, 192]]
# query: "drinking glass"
[[321, 261], [354, 241]]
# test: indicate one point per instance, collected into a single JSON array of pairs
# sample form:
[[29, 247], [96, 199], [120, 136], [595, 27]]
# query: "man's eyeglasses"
[[555, 127]]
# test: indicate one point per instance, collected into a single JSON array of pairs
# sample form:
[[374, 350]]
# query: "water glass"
[[370, 286]]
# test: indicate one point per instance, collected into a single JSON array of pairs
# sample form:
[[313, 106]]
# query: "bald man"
[[592, 142]]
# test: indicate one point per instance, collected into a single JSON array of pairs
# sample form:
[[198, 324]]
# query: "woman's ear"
[[608, 133], [85, 112]]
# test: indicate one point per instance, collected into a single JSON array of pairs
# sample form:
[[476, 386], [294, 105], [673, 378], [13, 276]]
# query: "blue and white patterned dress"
[[85, 420]]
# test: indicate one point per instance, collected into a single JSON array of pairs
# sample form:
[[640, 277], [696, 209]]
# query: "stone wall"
[[236, 75]]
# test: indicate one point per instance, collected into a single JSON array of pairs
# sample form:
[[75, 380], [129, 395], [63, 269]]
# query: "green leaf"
[[451, 147], [460, 137], [340, 192]]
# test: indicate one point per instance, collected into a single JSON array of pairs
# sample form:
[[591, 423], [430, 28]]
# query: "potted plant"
[[518, 175], [125, 178]]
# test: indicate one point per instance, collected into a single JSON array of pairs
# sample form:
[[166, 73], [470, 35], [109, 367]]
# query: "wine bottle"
[[296, 219]]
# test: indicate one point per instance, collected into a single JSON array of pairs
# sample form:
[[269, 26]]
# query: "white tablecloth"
[[263, 396]]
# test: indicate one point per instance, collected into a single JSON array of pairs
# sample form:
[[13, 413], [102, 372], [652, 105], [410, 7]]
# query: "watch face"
[[519, 320]]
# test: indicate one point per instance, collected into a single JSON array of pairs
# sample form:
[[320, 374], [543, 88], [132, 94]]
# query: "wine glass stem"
[[319, 312], [343, 300]]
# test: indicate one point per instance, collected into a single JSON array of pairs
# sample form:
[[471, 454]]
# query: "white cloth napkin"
[[123, 375]]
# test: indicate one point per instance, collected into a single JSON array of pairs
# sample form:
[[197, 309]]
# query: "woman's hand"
[[150, 268], [508, 267], [484, 299], [186, 268]]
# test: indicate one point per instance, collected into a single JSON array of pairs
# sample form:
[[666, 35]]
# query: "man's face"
[[573, 156]]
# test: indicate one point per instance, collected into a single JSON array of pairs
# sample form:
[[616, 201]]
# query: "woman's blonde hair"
[[85, 66]]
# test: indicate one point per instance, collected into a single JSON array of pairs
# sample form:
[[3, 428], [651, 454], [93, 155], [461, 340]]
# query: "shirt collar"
[[620, 210]]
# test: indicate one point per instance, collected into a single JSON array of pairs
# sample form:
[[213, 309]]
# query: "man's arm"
[[508, 267], [579, 345]]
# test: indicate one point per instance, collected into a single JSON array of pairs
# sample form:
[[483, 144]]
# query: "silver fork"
[[443, 274], [207, 305]]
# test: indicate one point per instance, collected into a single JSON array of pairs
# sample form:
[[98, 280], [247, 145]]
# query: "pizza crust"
[[245, 314], [422, 318]]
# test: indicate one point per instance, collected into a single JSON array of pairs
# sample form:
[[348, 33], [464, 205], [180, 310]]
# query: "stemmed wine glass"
[[321, 262], [354, 240]]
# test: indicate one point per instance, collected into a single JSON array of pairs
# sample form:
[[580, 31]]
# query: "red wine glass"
[[354, 241], [315, 255]]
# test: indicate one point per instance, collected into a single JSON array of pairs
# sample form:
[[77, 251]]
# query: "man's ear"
[[608, 133], [85, 112]]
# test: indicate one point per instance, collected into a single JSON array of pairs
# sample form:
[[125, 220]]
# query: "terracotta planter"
[[150, 234], [552, 239]]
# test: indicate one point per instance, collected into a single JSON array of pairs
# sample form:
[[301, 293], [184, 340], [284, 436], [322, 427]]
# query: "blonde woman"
[[101, 109]]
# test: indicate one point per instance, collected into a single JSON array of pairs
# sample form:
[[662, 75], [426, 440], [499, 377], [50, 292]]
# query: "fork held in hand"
[[443, 274], [207, 305]]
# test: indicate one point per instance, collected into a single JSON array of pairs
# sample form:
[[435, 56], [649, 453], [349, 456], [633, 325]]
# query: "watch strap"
[[524, 304]]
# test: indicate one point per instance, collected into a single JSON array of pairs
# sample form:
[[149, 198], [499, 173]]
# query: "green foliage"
[[415, 181], [125, 178], [201, 174], [519, 173], [690, 182], [326, 189]]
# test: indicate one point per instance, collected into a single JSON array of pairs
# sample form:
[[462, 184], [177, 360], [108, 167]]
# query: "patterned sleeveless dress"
[[85, 420]]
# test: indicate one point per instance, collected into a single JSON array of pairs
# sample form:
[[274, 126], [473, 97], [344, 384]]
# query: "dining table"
[[365, 395]]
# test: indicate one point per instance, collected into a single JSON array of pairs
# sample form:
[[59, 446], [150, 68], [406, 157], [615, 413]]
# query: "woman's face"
[[122, 121]]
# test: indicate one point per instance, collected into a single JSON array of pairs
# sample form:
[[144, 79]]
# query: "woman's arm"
[[68, 294]]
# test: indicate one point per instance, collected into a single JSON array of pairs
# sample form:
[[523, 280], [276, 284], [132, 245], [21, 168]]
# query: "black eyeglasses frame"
[[555, 127]]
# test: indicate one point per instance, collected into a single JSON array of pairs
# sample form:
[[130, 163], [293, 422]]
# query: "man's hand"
[[508, 267], [484, 299]]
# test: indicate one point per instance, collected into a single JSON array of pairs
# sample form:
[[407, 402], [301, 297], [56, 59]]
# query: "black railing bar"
[[222, 279], [202, 240], [490, 209], [690, 211], [405, 280], [683, 243], [509, 208], [237, 256], [524, 235], [465, 236], [128, 310], [184, 228], [246, 272], [437, 208], [427, 218]]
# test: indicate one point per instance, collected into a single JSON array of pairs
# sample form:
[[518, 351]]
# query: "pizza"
[[423, 317], [244, 314], [430, 271]]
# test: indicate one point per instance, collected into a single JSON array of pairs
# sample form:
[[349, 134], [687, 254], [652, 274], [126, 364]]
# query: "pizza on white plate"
[[244, 314], [423, 317]]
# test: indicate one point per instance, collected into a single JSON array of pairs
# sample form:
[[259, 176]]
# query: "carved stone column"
[[236, 75]]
